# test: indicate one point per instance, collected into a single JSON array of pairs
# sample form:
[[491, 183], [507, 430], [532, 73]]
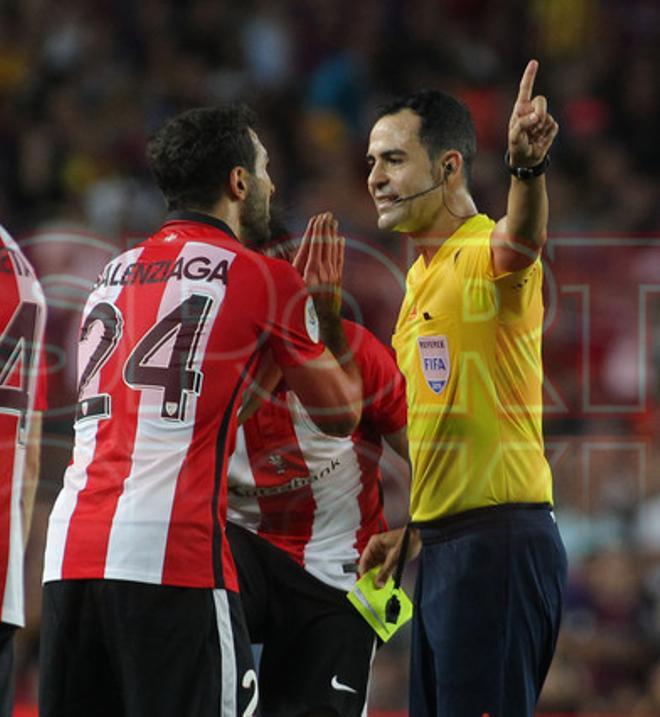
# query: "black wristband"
[[527, 172]]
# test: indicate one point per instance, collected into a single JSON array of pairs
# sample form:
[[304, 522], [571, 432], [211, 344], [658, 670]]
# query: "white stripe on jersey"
[[58, 524], [75, 478], [29, 290], [337, 517], [241, 510], [12, 599], [336, 487], [227, 653], [368, 687], [137, 549]]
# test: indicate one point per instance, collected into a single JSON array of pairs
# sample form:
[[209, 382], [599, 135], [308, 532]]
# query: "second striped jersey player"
[[302, 507], [314, 496]]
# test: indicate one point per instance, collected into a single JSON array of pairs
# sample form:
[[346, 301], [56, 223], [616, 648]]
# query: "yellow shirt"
[[469, 345]]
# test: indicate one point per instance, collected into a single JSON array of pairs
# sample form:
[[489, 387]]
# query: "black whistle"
[[392, 610]]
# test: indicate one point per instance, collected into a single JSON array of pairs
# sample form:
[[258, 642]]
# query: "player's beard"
[[281, 243], [255, 217]]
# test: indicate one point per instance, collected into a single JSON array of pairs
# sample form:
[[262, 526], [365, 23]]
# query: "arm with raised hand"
[[319, 261], [519, 236], [329, 387]]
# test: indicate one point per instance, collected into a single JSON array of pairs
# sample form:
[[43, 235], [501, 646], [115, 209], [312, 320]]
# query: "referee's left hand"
[[383, 549], [532, 129]]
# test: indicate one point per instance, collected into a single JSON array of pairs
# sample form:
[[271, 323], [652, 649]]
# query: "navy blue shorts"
[[488, 605]]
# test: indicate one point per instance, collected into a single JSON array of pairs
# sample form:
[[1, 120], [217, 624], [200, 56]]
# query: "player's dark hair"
[[192, 155], [446, 123]]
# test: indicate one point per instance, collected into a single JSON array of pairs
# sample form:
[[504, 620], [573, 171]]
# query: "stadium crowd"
[[82, 87]]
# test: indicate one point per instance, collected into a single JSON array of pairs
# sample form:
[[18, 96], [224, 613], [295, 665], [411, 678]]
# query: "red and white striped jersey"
[[315, 496], [169, 335], [22, 323]]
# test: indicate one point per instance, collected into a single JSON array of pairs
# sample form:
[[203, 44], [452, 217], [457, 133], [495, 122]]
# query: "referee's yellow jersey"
[[469, 345]]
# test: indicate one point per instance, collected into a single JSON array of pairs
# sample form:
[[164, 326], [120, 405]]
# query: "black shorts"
[[113, 648], [6, 662], [487, 611], [317, 649]]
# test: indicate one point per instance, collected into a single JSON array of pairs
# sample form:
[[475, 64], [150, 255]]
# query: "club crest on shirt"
[[434, 357], [171, 407], [277, 462]]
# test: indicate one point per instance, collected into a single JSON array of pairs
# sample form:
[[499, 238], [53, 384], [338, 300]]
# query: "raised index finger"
[[527, 81]]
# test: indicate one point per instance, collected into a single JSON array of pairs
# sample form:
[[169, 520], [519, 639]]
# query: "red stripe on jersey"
[[8, 431], [190, 507], [8, 428], [217, 566], [368, 449], [91, 521], [223, 559], [275, 458], [384, 411]]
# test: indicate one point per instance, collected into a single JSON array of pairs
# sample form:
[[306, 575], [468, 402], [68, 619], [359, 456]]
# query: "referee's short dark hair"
[[192, 155], [446, 123]]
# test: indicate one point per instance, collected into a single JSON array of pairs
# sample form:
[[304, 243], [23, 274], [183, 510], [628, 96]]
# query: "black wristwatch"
[[527, 172]]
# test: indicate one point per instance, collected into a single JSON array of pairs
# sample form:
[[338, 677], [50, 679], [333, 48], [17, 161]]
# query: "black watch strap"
[[527, 172]]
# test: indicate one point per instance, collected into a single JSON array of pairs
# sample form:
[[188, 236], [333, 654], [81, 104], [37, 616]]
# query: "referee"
[[468, 340]]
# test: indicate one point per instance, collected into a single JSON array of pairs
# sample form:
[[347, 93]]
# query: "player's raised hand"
[[320, 258], [532, 128]]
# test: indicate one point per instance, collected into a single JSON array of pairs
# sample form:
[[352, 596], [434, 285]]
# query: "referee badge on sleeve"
[[434, 357]]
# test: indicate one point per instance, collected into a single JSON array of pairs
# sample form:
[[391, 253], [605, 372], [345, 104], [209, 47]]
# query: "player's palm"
[[320, 258]]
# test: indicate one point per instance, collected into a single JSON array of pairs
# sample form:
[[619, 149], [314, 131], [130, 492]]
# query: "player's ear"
[[238, 183]]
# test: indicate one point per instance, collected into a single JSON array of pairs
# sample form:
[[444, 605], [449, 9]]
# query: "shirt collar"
[[202, 218]]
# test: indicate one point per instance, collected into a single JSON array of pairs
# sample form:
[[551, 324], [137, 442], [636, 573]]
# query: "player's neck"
[[228, 212], [445, 223]]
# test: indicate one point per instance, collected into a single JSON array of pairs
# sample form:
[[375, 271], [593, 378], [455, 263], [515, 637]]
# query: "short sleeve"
[[509, 295], [518, 290], [383, 386], [293, 326]]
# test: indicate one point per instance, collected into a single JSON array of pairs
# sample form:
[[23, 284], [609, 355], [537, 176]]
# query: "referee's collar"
[[191, 216]]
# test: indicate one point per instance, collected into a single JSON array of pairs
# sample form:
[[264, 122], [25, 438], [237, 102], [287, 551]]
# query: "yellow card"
[[371, 602]]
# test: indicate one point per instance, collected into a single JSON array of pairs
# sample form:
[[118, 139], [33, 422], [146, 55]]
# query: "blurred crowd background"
[[82, 84]]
